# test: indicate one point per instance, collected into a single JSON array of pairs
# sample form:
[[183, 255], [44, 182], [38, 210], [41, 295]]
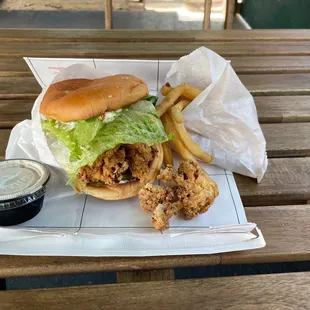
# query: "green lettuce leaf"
[[79, 143], [152, 99]]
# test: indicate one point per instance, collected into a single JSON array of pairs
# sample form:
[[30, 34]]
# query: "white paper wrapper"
[[27, 139], [223, 118]]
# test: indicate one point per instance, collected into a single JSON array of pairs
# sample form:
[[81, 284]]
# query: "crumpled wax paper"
[[223, 118], [27, 139]]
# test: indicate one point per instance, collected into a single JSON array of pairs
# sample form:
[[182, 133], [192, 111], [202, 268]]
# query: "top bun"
[[80, 99]]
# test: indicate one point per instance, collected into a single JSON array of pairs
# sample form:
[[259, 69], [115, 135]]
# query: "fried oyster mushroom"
[[188, 189]]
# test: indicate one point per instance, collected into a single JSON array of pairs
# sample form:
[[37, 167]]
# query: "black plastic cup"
[[22, 189]]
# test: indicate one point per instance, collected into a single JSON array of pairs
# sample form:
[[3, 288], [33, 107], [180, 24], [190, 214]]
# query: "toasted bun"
[[80, 99], [126, 190]]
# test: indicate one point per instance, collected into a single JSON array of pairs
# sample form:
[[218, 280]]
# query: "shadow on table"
[[180, 273]]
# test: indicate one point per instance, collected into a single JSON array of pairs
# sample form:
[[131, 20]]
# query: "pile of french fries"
[[170, 110]]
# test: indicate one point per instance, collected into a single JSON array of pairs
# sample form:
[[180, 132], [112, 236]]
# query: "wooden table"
[[275, 66]]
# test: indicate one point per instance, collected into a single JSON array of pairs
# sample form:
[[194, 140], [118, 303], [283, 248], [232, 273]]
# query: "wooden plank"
[[14, 111], [277, 109], [145, 275], [19, 88], [273, 109], [230, 13], [273, 291], [207, 15], [285, 179], [4, 138], [13, 67], [277, 84], [270, 64], [258, 85], [290, 139], [15, 266], [278, 223], [152, 50], [283, 228], [247, 64], [108, 14], [85, 35]]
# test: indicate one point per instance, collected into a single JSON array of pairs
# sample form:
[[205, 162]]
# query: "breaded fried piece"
[[162, 214], [108, 167], [168, 174], [195, 191], [153, 195], [192, 192], [140, 156]]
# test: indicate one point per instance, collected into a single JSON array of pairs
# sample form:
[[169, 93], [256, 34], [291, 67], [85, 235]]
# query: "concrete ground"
[[150, 20], [194, 5], [158, 14]]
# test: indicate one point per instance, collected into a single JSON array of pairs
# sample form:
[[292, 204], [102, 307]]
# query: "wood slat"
[[153, 50], [270, 109], [276, 222], [274, 291], [145, 275], [207, 14], [254, 65], [14, 67], [19, 88], [277, 109], [4, 138], [284, 231], [277, 84], [15, 266], [270, 64], [230, 14], [83, 35], [285, 179], [108, 14], [13, 112], [290, 139], [258, 85]]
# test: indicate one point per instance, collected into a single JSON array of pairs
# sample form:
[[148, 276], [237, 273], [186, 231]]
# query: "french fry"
[[177, 110], [170, 99], [188, 141], [173, 121], [189, 92], [168, 158], [165, 90], [176, 141]]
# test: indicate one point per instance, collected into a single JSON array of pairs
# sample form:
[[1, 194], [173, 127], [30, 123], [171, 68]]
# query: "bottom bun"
[[125, 190]]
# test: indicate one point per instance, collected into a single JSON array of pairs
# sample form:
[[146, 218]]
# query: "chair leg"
[[2, 285], [108, 14], [207, 15], [230, 13]]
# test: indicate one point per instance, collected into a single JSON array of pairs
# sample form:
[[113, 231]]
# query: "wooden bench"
[[275, 67]]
